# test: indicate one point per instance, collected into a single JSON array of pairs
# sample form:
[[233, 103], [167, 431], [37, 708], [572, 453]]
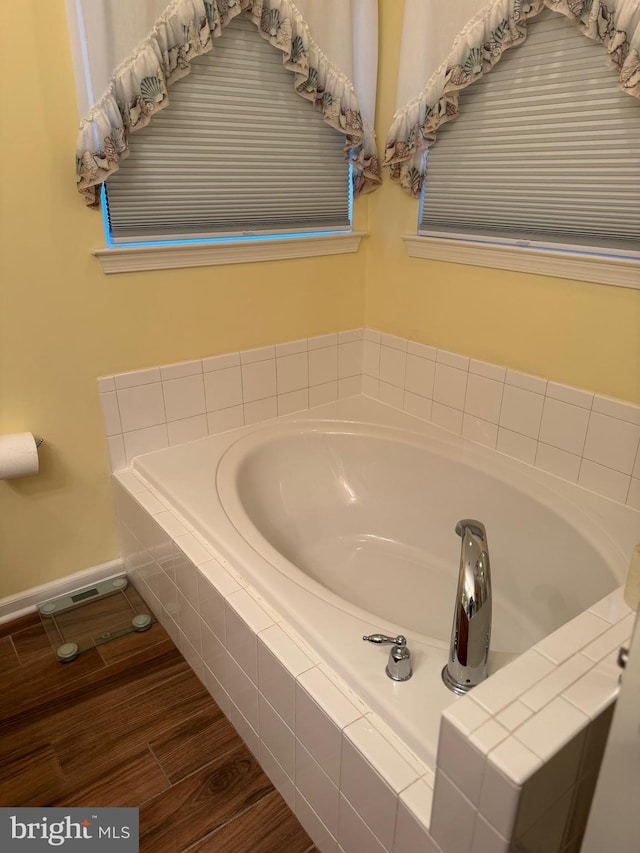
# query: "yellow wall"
[[63, 323], [586, 335]]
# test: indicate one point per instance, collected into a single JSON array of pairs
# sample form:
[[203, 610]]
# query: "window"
[[544, 155], [237, 153]]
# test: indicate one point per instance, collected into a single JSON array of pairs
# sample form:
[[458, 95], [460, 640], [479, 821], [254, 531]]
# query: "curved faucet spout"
[[471, 629]]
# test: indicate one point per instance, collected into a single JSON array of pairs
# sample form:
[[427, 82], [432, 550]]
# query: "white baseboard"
[[25, 602]]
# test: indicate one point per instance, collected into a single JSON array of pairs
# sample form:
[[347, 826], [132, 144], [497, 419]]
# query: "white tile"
[[411, 834], [149, 502], [244, 728], [449, 386], [254, 616], [241, 614], [243, 693], [251, 356], [446, 417], [105, 384], [572, 637], [452, 359], [110, 413], [546, 732], [418, 406], [258, 380], [371, 359], [488, 736], [223, 388], [141, 407], [466, 714], [420, 375], [394, 341], [317, 788], [516, 763], [488, 370], [291, 347], [349, 387], [323, 365], [526, 381], [183, 368], [558, 462], [612, 607], [368, 793], [506, 685], [604, 481], [633, 495], [486, 839], [597, 689], [422, 350], [462, 762], [189, 429], [225, 419], [370, 387], [513, 715], [500, 797], [372, 335], [564, 426], [350, 359], [211, 605], [318, 733], [521, 411], [221, 362], [219, 577], [548, 832], [194, 550], [294, 401], [354, 836], [277, 736], [617, 409], [189, 622], [281, 781], [482, 432], [393, 365], [349, 335], [292, 372], [517, 446], [184, 398], [319, 395], [390, 394], [290, 655], [612, 442], [137, 377], [328, 697], [314, 827], [321, 341], [261, 410], [556, 682], [277, 685], [484, 398], [453, 816], [367, 735], [568, 394], [145, 441], [608, 641]]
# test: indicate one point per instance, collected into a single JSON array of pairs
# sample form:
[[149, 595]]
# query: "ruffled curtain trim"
[[139, 86], [498, 27]]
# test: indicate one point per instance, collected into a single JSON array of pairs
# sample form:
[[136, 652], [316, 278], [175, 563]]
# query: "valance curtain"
[[127, 55], [447, 46]]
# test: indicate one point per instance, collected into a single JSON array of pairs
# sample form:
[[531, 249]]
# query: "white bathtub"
[[343, 519]]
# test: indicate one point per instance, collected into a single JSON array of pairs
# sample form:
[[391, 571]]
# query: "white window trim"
[[117, 259], [600, 269]]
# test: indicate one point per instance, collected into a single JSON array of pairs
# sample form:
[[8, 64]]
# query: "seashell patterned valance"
[[139, 86], [494, 28]]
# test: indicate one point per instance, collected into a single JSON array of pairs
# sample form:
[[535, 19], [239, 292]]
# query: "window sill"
[[617, 272], [116, 259]]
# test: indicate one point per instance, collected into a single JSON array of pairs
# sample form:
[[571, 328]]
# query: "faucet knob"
[[399, 665]]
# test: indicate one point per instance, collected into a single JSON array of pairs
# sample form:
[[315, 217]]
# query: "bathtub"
[[342, 519]]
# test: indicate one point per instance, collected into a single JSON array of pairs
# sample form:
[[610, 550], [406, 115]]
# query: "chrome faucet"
[[471, 630], [399, 665]]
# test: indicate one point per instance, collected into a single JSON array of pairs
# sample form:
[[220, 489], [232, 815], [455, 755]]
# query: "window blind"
[[545, 150], [236, 152]]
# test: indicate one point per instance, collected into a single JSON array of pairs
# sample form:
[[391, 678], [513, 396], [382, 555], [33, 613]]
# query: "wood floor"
[[129, 724]]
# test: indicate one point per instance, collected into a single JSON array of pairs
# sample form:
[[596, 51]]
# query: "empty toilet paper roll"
[[632, 586], [18, 455]]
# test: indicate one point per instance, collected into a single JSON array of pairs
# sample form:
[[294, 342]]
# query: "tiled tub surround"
[[529, 739], [517, 758], [578, 436]]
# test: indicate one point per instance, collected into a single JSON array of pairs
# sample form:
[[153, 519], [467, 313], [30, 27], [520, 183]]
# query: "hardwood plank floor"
[[129, 724]]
